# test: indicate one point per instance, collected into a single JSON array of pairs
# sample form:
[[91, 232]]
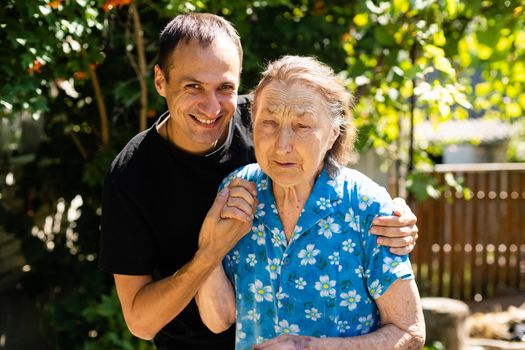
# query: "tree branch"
[[137, 29], [102, 110]]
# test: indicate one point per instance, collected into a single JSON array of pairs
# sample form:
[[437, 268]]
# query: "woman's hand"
[[399, 231], [287, 342]]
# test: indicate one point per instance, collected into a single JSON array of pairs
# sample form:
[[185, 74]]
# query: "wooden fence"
[[473, 249]]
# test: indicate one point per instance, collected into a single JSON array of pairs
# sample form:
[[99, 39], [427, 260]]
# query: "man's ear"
[[160, 81]]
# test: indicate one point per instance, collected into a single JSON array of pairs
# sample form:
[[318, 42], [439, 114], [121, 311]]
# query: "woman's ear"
[[334, 134]]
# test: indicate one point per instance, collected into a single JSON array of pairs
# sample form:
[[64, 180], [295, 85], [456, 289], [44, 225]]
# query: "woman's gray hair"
[[320, 77]]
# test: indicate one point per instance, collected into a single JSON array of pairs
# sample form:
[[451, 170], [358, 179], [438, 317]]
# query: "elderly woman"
[[309, 273]]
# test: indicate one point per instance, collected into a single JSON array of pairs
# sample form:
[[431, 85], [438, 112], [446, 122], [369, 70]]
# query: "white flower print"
[[263, 185], [326, 286], [327, 227], [259, 213], [375, 289], [300, 283], [280, 296], [323, 203], [259, 340], [308, 255], [274, 208], [334, 260], [353, 220], [360, 272], [274, 267], [261, 292], [251, 260], [236, 257], [364, 201], [342, 326], [285, 328], [239, 334], [258, 234], [365, 323], [350, 299], [277, 235], [391, 265], [253, 315], [375, 251], [313, 314], [348, 246]]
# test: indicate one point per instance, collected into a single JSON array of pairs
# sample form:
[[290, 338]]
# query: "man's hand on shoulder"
[[399, 231]]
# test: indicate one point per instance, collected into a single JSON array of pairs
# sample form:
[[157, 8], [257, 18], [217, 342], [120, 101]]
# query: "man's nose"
[[210, 106]]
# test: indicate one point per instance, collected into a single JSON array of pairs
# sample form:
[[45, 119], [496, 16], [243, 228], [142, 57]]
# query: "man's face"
[[201, 93]]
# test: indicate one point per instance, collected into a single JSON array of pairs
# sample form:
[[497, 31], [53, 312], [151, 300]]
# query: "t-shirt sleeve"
[[126, 244], [382, 267]]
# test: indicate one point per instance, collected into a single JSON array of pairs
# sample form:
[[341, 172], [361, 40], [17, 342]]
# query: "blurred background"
[[440, 103]]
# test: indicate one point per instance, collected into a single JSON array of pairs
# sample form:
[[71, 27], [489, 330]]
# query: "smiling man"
[[160, 239]]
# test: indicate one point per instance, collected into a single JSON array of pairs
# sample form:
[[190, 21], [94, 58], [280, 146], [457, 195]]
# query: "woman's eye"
[[303, 126], [269, 123]]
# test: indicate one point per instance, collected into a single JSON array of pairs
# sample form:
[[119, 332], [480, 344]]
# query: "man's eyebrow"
[[190, 79]]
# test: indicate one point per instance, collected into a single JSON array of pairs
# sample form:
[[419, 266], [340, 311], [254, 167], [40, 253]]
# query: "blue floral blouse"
[[324, 281]]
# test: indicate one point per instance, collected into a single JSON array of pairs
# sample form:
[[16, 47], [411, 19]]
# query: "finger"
[[218, 204], [392, 221], [242, 193], [235, 213], [398, 242], [249, 186], [392, 232], [415, 235], [271, 342], [240, 204], [402, 251]]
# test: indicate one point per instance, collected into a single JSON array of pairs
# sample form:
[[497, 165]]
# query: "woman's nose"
[[284, 141]]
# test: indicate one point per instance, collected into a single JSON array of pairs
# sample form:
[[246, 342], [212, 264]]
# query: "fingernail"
[[373, 230], [380, 240], [223, 192]]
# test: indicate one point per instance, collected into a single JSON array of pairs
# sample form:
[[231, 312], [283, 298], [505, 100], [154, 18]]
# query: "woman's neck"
[[290, 202]]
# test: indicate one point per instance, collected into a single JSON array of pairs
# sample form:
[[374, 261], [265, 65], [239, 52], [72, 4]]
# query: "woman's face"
[[292, 132]]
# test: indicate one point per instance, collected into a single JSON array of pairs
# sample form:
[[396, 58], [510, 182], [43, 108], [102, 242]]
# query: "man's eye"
[[193, 86], [304, 126], [227, 87]]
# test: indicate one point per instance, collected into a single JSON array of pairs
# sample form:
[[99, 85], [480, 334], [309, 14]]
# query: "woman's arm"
[[216, 301], [403, 326]]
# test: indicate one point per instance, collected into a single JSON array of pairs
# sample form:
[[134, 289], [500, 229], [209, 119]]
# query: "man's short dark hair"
[[203, 27]]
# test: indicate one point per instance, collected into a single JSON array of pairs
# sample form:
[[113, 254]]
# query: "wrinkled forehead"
[[296, 98]]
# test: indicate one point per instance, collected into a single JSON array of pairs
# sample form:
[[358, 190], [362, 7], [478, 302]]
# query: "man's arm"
[[149, 305], [399, 231], [403, 326]]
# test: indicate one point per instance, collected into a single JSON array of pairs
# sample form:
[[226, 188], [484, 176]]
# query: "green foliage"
[[435, 346], [436, 60]]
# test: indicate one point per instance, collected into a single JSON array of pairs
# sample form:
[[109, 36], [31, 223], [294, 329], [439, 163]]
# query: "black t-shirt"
[[154, 202]]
